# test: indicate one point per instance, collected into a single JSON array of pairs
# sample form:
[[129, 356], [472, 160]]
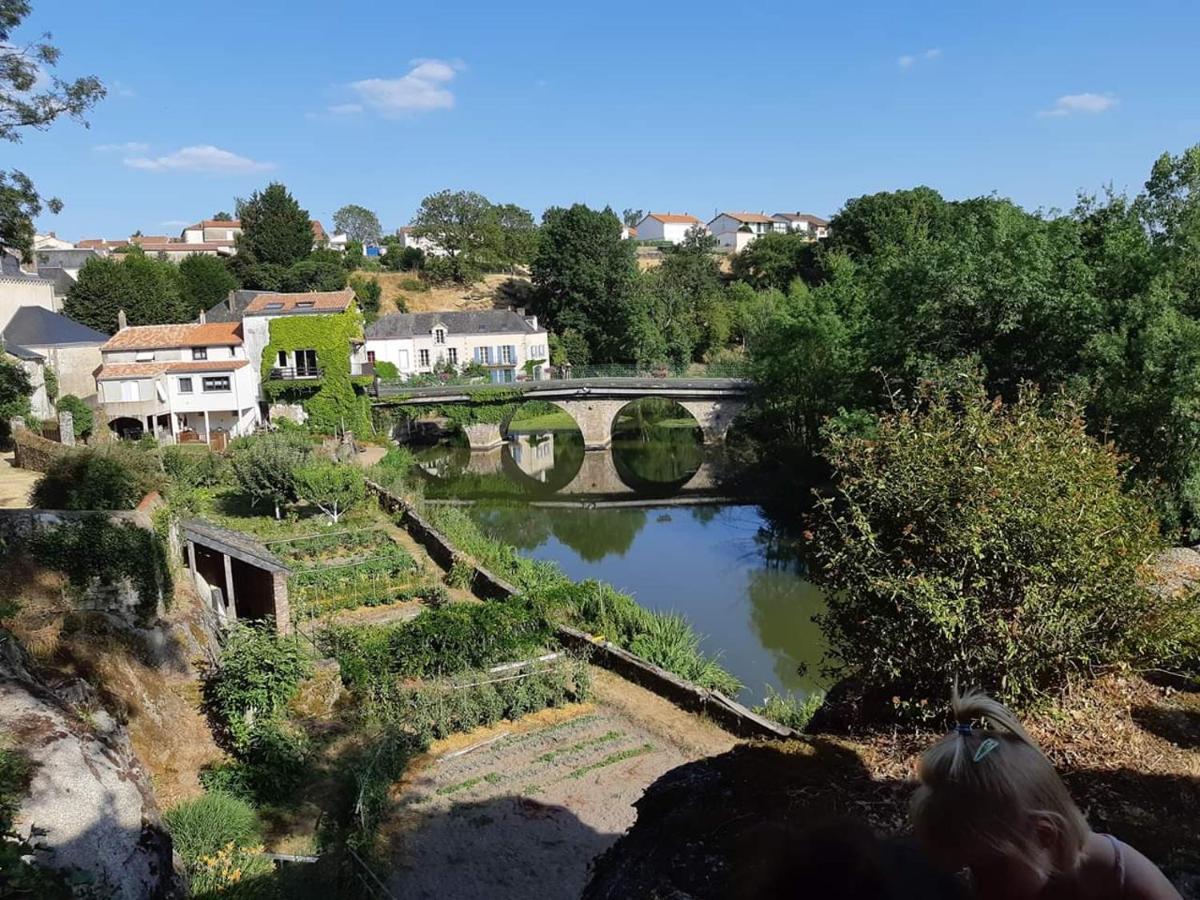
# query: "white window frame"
[[423, 359]]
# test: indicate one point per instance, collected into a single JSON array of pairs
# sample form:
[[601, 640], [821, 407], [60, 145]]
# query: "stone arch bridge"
[[592, 402]]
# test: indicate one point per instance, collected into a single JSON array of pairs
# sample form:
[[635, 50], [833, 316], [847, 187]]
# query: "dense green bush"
[[790, 710], [265, 467], [385, 369], [439, 641], [479, 698], [391, 471], [94, 549], [202, 826], [117, 476], [194, 465], [987, 543]]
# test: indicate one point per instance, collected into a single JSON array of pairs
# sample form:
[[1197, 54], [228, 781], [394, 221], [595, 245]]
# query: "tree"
[[357, 223], [464, 225], [275, 229], [990, 543], [584, 276], [631, 217], [774, 260], [148, 289], [332, 487], [319, 272], [222, 217], [518, 234], [266, 466], [31, 98], [367, 294], [205, 281], [82, 417]]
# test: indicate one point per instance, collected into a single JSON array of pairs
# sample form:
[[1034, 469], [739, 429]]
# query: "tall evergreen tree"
[[275, 229]]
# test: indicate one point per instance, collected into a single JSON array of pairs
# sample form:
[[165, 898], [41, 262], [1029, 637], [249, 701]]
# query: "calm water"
[[602, 515]]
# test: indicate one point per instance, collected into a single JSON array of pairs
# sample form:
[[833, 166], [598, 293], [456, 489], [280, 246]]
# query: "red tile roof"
[[288, 304], [318, 230], [802, 217], [109, 371], [160, 337], [675, 218]]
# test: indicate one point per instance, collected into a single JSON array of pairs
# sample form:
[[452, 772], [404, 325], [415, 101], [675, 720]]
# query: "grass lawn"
[[548, 421]]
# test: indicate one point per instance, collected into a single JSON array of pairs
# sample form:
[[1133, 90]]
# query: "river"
[[654, 517]]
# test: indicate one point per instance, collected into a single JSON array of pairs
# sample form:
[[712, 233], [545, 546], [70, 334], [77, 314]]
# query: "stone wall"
[[34, 452]]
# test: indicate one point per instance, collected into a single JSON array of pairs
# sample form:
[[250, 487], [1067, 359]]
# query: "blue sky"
[[690, 107]]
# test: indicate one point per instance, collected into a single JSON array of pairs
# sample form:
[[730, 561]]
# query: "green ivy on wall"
[[332, 402], [491, 405]]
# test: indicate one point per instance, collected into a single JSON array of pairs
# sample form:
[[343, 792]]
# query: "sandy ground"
[[491, 292], [523, 815], [15, 484]]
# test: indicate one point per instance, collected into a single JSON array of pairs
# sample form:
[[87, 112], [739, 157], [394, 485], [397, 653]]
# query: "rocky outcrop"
[[89, 811]]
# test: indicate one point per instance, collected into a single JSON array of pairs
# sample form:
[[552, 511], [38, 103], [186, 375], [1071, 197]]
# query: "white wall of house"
[[505, 353], [652, 229]]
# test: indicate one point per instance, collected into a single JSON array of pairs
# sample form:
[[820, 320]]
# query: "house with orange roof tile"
[[185, 383], [666, 226]]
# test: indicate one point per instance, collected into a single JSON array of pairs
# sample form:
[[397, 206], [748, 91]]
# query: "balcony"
[[295, 373]]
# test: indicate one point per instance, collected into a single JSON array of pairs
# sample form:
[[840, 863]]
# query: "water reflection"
[[604, 514]]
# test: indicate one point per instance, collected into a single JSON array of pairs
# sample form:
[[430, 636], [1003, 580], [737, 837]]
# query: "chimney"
[[532, 320], [203, 318], [520, 310], [122, 322]]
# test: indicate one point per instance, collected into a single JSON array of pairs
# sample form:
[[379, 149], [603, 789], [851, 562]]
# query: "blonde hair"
[[980, 787]]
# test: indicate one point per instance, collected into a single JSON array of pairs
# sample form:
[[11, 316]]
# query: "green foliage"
[[321, 271], [988, 543], [50, 380], [385, 369], [790, 710], [204, 825], [336, 406], [367, 293], [585, 276], [668, 640], [392, 470], [194, 466], [275, 230], [478, 698], [81, 413], [21, 877], [150, 291], [439, 641], [265, 467], [205, 282], [31, 97], [775, 260], [332, 487], [15, 391], [358, 223], [94, 550], [405, 259], [475, 235], [115, 476]]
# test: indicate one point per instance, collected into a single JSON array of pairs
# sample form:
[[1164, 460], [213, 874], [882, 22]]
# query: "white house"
[[735, 230], [508, 343], [50, 241], [179, 382], [671, 227], [428, 246], [805, 223]]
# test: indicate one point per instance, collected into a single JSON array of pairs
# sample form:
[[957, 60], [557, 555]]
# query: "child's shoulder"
[[1113, 869]]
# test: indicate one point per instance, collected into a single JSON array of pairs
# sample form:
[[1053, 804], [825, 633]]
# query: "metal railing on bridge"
[[693, 371]]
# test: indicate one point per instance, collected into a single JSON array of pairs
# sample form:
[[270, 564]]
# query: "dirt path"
[[523, 815], [15, 484]]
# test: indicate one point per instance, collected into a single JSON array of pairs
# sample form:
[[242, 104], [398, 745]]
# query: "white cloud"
[[425, 87], [203, 158], [127, 147], [1070, 104], [908, 60]]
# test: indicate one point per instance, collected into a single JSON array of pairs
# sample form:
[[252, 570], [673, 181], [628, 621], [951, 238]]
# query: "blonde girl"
[[991, 803]]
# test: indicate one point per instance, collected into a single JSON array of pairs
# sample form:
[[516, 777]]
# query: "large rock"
[[90, 808]]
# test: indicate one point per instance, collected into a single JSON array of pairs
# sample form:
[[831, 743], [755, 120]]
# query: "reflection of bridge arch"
[[600, 476]]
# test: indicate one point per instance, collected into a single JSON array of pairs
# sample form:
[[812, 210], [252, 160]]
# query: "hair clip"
[[986, 747], [963, 728]]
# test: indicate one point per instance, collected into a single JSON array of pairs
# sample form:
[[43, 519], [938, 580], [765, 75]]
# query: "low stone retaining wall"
[[34, 452], [730, 714]]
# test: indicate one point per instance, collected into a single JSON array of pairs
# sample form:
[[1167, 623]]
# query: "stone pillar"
[[283, 611], [484, 435], [16, 423], [595, 420], [230, 598], [714, 416], [66, 429]]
